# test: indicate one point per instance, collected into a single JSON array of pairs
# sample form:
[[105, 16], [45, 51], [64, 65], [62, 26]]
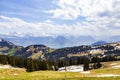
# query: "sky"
[[60, 17]]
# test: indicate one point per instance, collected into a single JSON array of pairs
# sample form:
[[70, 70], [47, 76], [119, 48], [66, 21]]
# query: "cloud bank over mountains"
[[89, 17]]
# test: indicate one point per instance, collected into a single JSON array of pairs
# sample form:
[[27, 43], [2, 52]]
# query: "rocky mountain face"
[[43, 52]]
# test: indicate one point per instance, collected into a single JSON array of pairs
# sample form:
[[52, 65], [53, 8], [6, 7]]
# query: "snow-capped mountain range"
[[57, 41]]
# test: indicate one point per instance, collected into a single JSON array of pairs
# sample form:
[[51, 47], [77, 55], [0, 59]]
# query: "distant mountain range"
[[51, 41], [57, 41]]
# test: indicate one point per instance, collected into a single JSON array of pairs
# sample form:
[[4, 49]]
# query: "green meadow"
[[21, 74]]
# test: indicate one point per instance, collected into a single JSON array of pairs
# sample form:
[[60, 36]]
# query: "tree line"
[[93, 62], [29, 64], [35, 65]]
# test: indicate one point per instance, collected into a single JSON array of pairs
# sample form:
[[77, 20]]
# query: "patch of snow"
[[95, 50], [107, 75], [118, 66], [113, 64], [71, 69], [85, 72], [5, 66], [118, 47], [8, 66]]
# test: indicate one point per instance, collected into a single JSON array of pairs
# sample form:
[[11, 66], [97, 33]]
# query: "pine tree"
[[86, 64]]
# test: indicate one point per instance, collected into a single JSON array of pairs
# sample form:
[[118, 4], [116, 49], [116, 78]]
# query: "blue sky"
[[32, 10], [60, 17]]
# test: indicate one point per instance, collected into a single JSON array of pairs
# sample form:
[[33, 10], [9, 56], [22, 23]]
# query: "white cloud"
[[104, 27], [102, 16], [42, 28], [48, 21], [72, 9]]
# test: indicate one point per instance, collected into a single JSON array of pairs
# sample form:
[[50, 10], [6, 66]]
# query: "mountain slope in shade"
[[99, 43], [4, 43], [33, 51], [7, 47]]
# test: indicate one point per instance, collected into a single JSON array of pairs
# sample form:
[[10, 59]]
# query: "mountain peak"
[[99, 43], [5, 43]]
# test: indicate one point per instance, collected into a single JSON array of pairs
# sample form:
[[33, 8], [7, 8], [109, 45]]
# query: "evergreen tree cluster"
[[29, 64], [86, 64], [93, 62], [96, 62], [35, 65]]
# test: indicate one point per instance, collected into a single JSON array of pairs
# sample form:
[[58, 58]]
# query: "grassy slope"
[[21, 74]]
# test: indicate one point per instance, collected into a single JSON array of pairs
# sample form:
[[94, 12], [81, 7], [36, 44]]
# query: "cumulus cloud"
[[72, 9], [41, 28], [101, 28], [101, 16]]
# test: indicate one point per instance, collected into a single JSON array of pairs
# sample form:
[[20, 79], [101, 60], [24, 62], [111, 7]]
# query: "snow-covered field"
[[71, 68], [113, 64], [107, 75], [116, 67], [5, 66], [8, 66], [85, 72]]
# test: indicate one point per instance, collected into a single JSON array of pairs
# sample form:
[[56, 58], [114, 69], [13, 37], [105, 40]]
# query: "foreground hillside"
[[110, 71]]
